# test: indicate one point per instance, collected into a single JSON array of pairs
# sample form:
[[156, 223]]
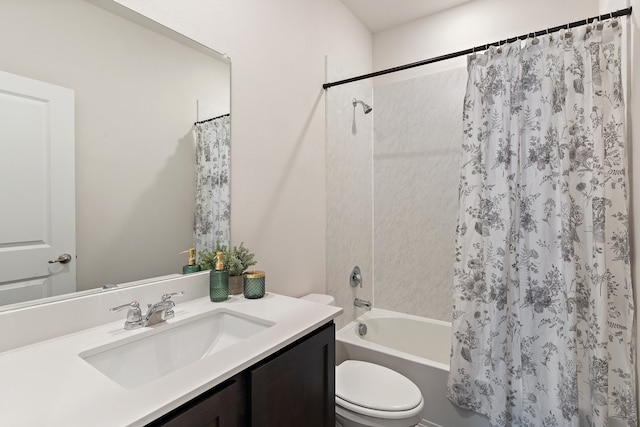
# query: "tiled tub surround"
[[66, 390], [416, 159], [349, 192]]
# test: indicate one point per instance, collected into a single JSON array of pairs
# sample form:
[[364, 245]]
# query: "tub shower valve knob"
[[356, 277]]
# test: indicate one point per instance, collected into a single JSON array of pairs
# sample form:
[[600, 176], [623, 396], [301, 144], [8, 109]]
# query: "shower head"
[[367, 108]]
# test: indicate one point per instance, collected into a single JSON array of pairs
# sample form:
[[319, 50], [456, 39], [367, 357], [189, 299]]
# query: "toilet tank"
[[320, 299]]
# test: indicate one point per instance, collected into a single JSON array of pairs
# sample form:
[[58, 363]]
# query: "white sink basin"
[[167, 347]]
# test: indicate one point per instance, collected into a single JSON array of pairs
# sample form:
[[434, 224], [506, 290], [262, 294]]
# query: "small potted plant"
[[236, 261]]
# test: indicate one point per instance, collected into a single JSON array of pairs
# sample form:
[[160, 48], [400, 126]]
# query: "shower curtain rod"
[[211, 119], [621, 12]]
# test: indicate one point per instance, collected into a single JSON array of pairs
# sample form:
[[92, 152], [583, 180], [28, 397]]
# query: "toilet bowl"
[[370, 395]]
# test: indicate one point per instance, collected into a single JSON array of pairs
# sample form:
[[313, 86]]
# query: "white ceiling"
[[379, 15]]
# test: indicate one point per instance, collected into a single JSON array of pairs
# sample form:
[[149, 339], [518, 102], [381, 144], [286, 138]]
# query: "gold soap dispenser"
[[191, 267], [219, 280]]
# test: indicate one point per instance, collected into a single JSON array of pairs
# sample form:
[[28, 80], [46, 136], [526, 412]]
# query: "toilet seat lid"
[[375, 387]]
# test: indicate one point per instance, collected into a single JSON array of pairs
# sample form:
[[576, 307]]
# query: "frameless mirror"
[[136, 90]]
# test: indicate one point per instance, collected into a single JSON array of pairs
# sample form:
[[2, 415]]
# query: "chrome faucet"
[[362, 303], [156, 313], [134, 315], [161, 311]]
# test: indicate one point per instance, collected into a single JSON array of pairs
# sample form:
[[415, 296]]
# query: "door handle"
[[62, 259]]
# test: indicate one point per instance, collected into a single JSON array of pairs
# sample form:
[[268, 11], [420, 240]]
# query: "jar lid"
[[254, 274]]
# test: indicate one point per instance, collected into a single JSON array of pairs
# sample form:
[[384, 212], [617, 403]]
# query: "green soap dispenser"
[[219, 281], [191, 267]]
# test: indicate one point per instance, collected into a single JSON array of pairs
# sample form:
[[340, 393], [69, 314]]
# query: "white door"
[[37, 189]]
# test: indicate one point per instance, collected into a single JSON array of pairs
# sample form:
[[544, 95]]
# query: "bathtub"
[[416, 347]]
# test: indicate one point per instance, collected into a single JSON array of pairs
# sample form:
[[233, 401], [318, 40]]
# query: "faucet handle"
[[167, 297], [134, 315], [132, 304]]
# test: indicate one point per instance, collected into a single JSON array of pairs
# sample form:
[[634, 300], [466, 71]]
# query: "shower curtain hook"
[[567, 33], [501, 44], [588, 27], [534, 40], [473, 53], [550, 32]]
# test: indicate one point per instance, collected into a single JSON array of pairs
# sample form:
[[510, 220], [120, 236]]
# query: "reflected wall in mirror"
[[137, 95]]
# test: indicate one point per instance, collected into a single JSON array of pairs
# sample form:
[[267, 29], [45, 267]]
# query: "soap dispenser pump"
[[191, 267], [219, 281]]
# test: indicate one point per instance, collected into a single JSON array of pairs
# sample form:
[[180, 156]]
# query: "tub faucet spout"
[[362, 303]]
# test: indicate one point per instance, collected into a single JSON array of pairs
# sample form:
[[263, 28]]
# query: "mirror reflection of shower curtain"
[[213, 195]]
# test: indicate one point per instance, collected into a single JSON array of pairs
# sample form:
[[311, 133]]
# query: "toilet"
[[370, 395], [320, 299], [375, 396]]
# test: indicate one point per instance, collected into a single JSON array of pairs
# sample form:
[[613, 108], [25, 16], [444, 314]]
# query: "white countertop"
[[49, 384]]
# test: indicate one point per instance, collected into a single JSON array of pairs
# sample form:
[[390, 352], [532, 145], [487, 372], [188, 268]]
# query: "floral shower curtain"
[[213, 194], [543, 303]]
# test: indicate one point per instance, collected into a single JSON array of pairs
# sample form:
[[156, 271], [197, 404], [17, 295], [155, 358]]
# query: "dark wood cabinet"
[[221, 406], [291, 388], [296, 387]]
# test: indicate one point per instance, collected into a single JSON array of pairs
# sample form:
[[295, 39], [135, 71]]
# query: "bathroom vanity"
[[294, 387], [264, 362]]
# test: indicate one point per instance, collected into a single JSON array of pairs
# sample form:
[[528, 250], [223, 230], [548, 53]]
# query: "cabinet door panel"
[[220, 407], [297, 387]]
